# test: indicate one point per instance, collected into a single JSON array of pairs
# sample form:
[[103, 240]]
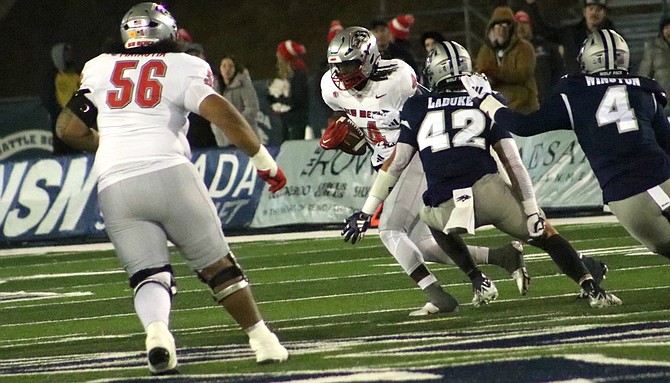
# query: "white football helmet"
[[353, 55], [604, 50], [446, 62], [146, 24]]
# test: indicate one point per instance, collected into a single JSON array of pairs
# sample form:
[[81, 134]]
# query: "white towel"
[[463, 215]]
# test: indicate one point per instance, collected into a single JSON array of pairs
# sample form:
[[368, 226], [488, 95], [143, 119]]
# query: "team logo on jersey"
[[463, 198]]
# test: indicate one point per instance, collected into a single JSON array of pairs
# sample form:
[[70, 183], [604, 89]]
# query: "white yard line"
[[265, 237]]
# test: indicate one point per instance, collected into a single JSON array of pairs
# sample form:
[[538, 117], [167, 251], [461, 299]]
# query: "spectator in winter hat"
[[399, 28], [508, 61], [388, 48], [288, 93], [183, 38], [335, 26], [291, 51]]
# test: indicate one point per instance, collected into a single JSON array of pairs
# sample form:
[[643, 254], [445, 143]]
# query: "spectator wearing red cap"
[[288, 93], [335, 26], [184, 38], [399, 28], [388, 47], [549, 63]]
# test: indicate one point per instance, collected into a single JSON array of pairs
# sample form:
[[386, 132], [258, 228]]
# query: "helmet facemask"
[[353, 56], [347, 74]]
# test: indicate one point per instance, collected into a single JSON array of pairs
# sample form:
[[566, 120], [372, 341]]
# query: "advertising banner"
[[323, 186], [50, 198], [25, 130], [560, 171]]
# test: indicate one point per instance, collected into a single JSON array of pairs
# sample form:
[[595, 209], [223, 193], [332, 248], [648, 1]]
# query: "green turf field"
[[342, 312]]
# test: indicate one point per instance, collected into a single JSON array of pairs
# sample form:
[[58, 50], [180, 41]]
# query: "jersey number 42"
[[468, 124]]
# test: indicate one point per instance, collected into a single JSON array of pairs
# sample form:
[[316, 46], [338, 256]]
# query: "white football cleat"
[[161, 349], [427, 309], [602, 298], [485, 292], [268, 349]]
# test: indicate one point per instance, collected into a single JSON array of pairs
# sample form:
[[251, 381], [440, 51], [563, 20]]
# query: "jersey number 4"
[[615, 108], [146, 92], [468, 123]]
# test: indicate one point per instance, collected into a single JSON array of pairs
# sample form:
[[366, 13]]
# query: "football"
[[342, 134], [354, 143]]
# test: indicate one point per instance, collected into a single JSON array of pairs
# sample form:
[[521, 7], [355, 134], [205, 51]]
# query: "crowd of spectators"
[[522, 55]]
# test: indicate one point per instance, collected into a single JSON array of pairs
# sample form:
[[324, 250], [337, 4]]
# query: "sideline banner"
[[25, 130], [323, 186], [559, 171], [50, 198], [55, 198]]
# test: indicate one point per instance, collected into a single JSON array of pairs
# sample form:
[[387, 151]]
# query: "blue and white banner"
[[25, 129], [45, 199], [55, 198]]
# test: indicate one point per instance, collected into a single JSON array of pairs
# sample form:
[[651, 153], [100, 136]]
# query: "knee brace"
[[224, 277], [152, 275]]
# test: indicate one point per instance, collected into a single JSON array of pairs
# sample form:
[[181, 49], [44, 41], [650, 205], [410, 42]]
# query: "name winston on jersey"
[[591, 81], [438, 102]]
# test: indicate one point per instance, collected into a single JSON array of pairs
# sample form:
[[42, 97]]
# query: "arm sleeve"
[[553, 115], [509, 155], [403, 155]]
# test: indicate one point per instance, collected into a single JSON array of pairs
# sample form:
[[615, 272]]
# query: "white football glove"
[[387, 118], [477, 86], [535, 225]]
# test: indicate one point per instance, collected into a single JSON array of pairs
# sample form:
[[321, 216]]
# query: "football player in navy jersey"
[[619, 122], [465, 189], [371, 91]]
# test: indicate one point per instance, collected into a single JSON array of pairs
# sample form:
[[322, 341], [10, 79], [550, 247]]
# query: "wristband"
[[490, 105], [262, 160], [530, 207], [371, 204]]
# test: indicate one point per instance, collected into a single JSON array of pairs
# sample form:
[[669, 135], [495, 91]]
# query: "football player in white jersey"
[[149, 192], [371, 91]]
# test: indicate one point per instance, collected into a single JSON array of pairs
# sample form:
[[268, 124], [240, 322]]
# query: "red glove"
[[335, 133], [276, 182]]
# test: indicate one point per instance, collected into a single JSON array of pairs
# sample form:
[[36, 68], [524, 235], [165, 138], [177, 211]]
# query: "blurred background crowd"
[[270, 55]]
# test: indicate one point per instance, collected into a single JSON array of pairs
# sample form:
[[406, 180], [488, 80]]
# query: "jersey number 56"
[[146, 92]]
